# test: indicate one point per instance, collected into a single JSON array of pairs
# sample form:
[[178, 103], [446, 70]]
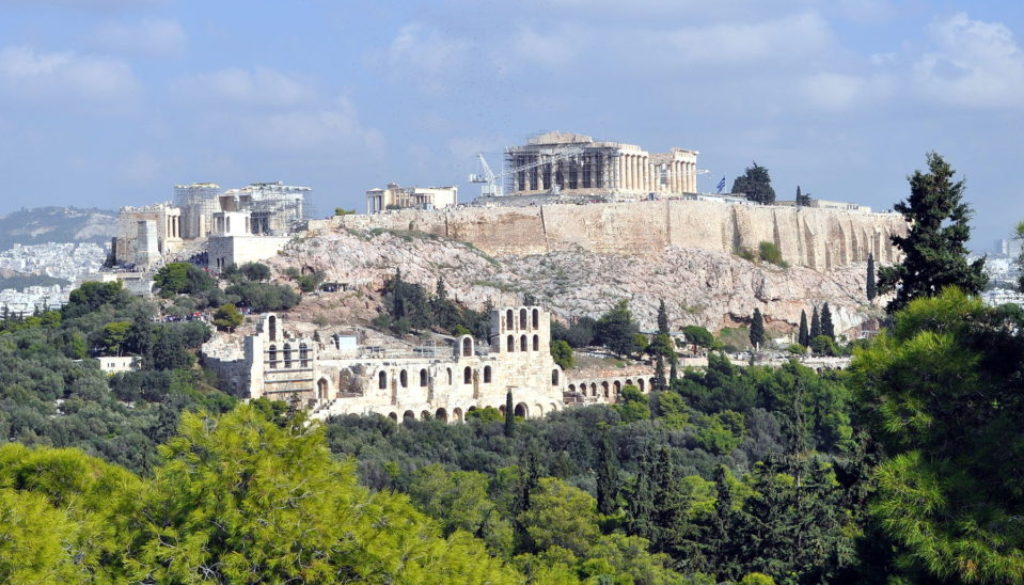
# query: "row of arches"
[[486, 376], [528, 319], [609, 389], [287, 355], [524, 343], [457, 415]]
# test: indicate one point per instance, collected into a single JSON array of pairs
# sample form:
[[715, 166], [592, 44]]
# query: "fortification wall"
[[815, 238]]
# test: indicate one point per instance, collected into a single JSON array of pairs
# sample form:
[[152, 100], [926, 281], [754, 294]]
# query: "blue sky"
[[112, 102]]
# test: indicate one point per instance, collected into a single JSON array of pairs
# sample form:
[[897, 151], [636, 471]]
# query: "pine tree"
[[815, 325], [756, 184], [607, 476], [872, 288], [757, 329], [804, 337], [934, 249], [510, 417], [827, 328], [662, 318]]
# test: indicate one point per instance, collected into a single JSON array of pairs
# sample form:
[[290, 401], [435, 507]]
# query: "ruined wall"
[[815, 238]]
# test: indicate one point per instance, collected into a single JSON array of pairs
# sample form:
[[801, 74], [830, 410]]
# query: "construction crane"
[[491, 182]]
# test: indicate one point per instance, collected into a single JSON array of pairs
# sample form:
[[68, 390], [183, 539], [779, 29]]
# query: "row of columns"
[[634, 172], [172, 227], [637, 173]]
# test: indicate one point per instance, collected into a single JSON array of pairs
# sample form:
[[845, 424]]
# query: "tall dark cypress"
[[804, 337], [510, 417], [757, 329], [662, 318], [827, 328], [872, 287], [607, 476], [659, 372], [815, 324], [673, 372], [640, 512]]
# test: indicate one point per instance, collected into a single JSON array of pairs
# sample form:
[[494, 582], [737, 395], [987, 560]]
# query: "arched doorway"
[[403, 379], [409, 416], [321, 389], [509, 320], [523, 343], [554, 377], [423, 378], [394, 417], [425, 415], [467, 375], [604, 389], [487, 374], [457, 414], [441, 415], [522, 319], [536, 343], [520, 410], [511, 344], [382, 381], [467, 347], [536, 318]]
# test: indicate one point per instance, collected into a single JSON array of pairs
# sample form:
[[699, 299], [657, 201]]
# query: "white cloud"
[[789, 38], [25, 72], [556, 49], [156, 37], [426, 56], [974, 64], [323, 130], [838, 91], [259, 86]]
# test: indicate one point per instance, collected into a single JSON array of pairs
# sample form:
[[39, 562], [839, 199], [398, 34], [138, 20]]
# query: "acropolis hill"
[[820, 239]]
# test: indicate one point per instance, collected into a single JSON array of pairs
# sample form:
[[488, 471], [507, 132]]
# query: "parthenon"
[[573, 163]]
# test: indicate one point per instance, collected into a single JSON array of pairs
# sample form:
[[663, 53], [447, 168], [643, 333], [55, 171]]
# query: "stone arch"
[[303, 355], [321, 389], [536, 318], [572, 388], [467, 346], [640, 382], [501, 409], [554, 377], [522, 319], [629, 381], [393, 416], [536, 343], [382, 380], [521, 410], [272, 327], [272, 354], [510, 345], [469, 410], [424, 378], [457, 414], [604, 389], [523, 344], [287, 355], [593, 389], [653, 384], [441, 415], [467, 375], [510, 320], [616, 387], [425, 415], [487, 374], [403, 379], [554, 407], [409, 416], [538, 411], [449, 370]]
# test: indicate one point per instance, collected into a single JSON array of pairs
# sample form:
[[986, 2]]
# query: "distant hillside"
[[39, 225]]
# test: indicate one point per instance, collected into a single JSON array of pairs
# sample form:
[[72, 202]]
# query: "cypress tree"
[[607, 476], [815, 324], [872, 287], [659, 372], [757, 329], [640, 512], [804, 337], [827, 329], [673, 373], [662, 318], [510, 417]]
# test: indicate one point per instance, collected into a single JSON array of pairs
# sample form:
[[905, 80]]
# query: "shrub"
[[769, 252]]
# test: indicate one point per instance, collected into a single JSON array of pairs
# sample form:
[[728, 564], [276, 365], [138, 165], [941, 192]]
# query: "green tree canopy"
[[183, 278], [616, 329], [756, 184], [935, 248]]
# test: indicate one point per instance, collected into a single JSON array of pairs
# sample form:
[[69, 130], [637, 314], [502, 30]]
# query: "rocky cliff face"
[[700, 287]]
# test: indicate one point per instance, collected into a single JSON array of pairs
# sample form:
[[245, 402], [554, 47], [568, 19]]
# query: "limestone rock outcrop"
[[699, 286]]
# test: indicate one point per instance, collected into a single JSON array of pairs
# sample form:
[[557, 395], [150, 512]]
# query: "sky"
[[112, 102]]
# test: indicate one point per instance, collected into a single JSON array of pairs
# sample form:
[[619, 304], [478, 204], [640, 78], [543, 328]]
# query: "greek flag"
[[721, 185]]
